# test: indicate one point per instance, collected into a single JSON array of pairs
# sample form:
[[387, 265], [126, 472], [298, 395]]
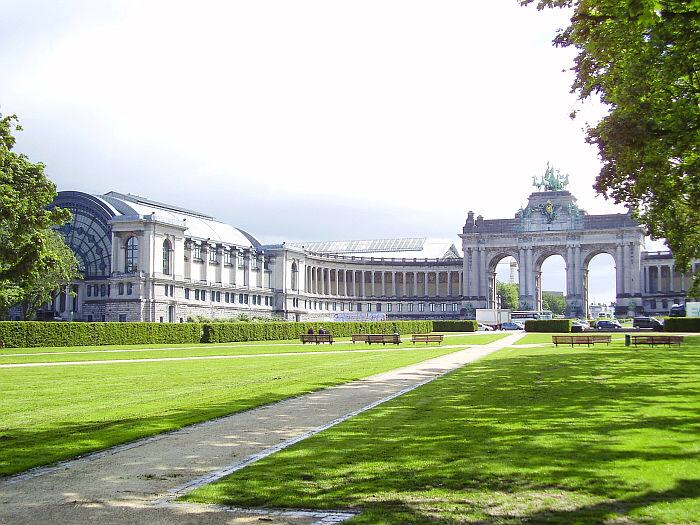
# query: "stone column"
[[354, 283], [383, 284], [248, 262], [647, 288], [394, 288], [671, 277], [619, 274], [461, 279], [362, 284]]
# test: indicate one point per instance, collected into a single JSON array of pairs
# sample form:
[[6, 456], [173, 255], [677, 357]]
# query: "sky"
[[304, 120]]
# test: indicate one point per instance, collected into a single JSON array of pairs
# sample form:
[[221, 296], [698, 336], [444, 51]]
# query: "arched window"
[[131, 262], [167, 248]]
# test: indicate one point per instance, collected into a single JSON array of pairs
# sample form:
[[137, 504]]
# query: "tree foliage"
[[30, 252], [554, 302], [642, 58], [508, 292]]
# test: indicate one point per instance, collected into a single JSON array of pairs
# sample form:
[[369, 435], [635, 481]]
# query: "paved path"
[[135, 483]]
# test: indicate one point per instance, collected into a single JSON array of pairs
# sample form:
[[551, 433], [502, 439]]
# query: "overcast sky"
[[303, 120]]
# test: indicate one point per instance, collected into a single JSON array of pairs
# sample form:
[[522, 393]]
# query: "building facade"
[[143, 260]]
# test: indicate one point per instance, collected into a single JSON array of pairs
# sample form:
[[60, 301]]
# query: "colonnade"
[[327, 281], [663, 278]]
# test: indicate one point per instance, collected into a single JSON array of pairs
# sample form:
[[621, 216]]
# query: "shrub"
[[456, 326], [226, 332], [549, 325], [682, 324], [22, 334]]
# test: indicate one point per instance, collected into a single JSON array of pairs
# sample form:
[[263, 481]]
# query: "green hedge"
[[23, 334], [455, 326], [550, 326], [682, 324], [246, 331]]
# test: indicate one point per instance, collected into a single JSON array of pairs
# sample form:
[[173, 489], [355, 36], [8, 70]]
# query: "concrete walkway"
[[137, 482]]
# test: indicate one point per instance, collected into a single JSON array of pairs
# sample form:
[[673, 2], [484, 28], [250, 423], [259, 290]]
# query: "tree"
[[508, 292], [554, 302], [28, 247], [57, 267], [642, 58]]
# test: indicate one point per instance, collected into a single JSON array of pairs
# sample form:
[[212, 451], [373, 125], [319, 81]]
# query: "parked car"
[[607, 324], [648, 322], [512, 326], [484, 327], [580, 322]]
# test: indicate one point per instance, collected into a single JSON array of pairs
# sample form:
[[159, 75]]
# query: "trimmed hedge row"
[[23, 334], [682, 324], [232, 332], [455, 326], [549, 325]]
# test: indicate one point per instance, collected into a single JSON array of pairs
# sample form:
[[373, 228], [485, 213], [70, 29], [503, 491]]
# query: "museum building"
[[143, 260]]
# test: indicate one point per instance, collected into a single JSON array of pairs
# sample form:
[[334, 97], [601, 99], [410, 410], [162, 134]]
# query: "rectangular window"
[[254, 263], [89, 290], [454, 307], [129, 288], [89, 318], [443, 307], [167, 289], [240, 298], [196, 295], [103, 290], [218, 297], [369, 307], [187, 293], [333, 306], [120, 288], [410, 307], [122, 318], [399, 307], [239, 258], [421, 307], [388, 307], [245, 298], [379, 307], [227, 258], [359, 307], [342, 307], [432, 307], [226, 297], [204, 295], [197, 252], [213, 256]]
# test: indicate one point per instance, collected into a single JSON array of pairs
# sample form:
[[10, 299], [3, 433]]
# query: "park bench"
[[587, 340], [426, 338], [377, 338], [316, 338], [656, 340]]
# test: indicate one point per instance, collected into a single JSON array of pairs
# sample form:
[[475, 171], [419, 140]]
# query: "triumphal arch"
[[551, 224]]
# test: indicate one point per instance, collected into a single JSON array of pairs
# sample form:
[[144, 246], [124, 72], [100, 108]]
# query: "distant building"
[[144, 260]]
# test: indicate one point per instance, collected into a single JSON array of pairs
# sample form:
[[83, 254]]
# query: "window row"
[[227, 297], [105, 290], [376, 307]]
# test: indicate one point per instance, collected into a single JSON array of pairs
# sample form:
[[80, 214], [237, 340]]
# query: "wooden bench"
[[426, 338], [377, 338], [580, 339], [656, 340], [316, 338]]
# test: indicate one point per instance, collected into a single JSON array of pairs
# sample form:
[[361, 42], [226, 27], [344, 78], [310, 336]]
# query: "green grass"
[[537, 435], [53, 413], [49, 355]]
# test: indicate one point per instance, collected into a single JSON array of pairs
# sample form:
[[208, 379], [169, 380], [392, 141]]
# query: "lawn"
[[537, 435], [57, 412], [84, 353]]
